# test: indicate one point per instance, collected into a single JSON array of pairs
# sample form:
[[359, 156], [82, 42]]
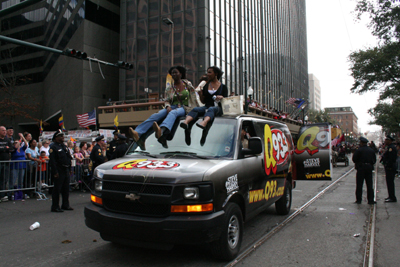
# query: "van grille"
[[138, 188], [116, 204]]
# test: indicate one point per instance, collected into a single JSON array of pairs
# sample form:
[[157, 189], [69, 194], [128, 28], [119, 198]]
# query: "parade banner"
[[313, 153]]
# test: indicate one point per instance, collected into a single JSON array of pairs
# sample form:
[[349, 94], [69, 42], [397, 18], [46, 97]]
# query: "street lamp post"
[[250, 93], [246, 104], [169, 22]]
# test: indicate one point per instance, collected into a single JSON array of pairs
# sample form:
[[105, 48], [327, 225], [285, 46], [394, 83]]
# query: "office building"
[[266, 38], [257, 43], [314, 92], [346, 119]]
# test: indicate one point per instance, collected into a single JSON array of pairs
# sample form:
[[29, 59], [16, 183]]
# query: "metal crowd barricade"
[[15, 176], [34, 178]]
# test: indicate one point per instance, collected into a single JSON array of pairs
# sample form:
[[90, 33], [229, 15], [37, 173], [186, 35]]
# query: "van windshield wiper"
[[143, 153], [191, 154]]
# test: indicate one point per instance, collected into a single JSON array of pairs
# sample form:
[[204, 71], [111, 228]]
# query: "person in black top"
[[112, 146], [364, 159], [122, 146], [97, 155], [211, 95], [6, 148], [389, 161], [60, 166]]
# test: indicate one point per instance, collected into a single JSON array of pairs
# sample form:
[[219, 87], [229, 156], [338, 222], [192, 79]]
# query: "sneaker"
[[44, 185], [4, 199]]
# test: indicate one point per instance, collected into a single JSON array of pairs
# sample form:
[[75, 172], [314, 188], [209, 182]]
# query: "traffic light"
[[75, 54], [125, 65]]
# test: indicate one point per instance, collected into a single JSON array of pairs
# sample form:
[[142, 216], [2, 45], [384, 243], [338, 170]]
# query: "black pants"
[[390, 174], [364, 172], [61, 186]]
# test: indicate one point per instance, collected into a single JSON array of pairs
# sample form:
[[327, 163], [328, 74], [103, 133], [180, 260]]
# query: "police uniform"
[[60, 166], [389, 161], [122, 147], [96, 155], [112, 146], [364, 159]]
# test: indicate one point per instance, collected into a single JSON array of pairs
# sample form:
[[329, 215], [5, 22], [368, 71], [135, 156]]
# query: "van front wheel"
[[282, 206], [228, 246]]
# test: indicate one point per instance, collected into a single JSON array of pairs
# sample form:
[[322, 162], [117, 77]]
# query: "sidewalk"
[[387, 237], [326, 233]]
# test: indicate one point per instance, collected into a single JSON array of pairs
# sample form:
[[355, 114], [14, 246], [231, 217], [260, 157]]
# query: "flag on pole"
[[116, 123], [61, 123], [87, 119], [295, 101], [41, 127]]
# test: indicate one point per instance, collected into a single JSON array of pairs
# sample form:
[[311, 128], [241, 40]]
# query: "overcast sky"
[[332, 34]]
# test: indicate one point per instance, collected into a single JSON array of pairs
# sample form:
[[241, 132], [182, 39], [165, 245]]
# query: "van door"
[[275, 162]]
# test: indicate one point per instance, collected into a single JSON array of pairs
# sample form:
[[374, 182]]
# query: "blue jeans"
[[158, 117], [171, 118], [206, 112], [18, 178]]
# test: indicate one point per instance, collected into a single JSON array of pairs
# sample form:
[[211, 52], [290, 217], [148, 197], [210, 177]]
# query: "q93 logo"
[[276, 149], [312, 139]]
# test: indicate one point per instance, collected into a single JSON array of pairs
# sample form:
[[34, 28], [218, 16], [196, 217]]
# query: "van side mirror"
[[255, 146]]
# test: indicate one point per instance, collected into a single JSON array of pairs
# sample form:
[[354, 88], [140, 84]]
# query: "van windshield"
[[218, 143]]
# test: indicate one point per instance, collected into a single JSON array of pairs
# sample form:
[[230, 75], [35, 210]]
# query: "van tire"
[[228, 246], [282, 205]]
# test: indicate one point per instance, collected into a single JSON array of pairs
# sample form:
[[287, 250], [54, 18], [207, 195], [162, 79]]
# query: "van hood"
[[153, 170]]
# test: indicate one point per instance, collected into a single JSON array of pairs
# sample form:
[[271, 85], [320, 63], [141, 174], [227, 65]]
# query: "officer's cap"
[[116, 132], [363, 140], [99, 138], [58, 133], [388, 137], [121, 137]]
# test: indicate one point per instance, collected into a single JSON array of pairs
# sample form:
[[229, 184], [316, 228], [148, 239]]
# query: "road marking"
[[369, 246]]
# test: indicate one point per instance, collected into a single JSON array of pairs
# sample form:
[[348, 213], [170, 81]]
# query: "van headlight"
[[98, 173], [191, 193], [98, 185]]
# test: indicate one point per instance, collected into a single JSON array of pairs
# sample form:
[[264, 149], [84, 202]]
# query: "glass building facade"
[[51, 23], [257, 43]]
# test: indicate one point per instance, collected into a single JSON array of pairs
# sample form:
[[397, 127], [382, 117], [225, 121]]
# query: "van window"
[[219, 142]]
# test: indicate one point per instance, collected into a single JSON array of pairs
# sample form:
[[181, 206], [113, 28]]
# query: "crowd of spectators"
[[24, 161]]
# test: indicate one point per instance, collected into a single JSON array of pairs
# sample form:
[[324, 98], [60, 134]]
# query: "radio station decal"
[[312, 163], [231, 184], [318, 175], [270, 191], [312, 155], [276, 149], [147, 164], [313, 139]]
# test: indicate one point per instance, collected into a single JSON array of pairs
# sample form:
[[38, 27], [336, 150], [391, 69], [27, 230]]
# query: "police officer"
[[112, 146], [122, 146], [97, 155], [364, 159], [389, 161], [60, 166]]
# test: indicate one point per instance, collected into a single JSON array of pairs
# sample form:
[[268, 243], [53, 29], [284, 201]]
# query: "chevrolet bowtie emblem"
[[132, 197]]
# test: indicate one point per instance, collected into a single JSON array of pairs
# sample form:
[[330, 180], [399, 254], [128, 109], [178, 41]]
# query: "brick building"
[[346, 119]]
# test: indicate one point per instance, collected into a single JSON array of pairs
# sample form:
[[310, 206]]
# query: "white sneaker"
[[44, 185], [4, 198]]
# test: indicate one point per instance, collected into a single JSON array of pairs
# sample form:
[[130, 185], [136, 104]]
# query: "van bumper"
[[134, 230]]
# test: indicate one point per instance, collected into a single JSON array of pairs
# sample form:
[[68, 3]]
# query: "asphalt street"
[[323, 235]]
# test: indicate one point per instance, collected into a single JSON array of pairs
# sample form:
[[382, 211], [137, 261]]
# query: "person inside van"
[[211, 95]]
